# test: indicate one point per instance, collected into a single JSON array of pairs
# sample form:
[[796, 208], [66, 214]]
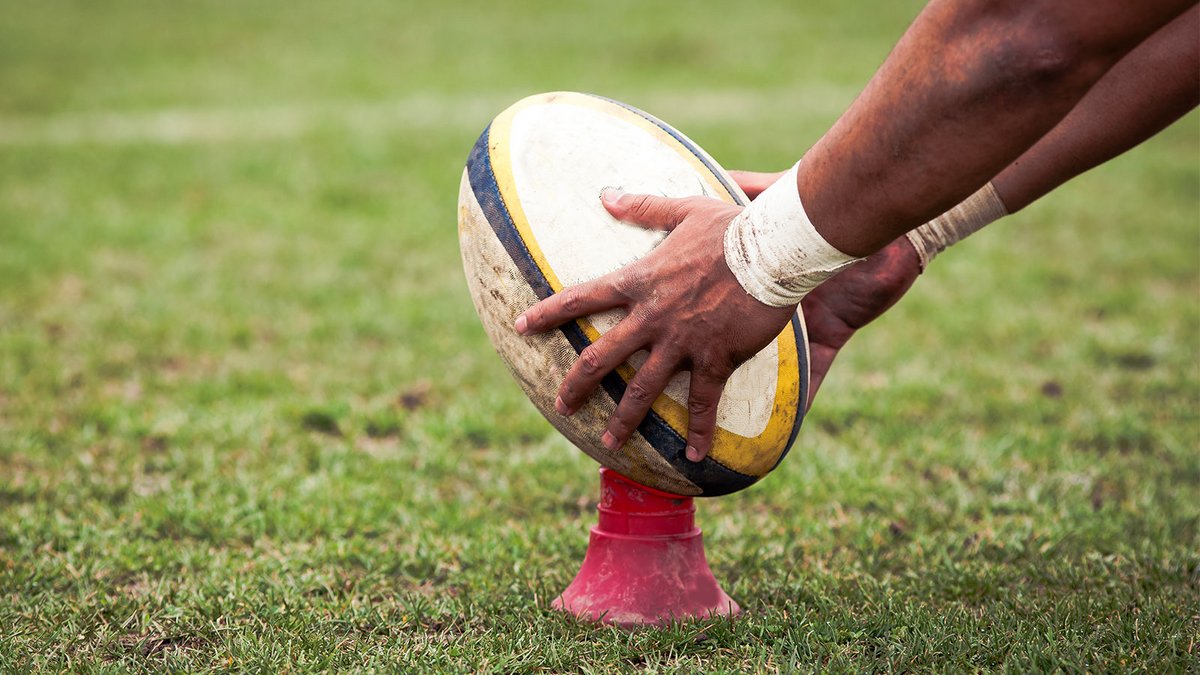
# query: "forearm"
[[1154, 85], [1151, 87], [967, 90]]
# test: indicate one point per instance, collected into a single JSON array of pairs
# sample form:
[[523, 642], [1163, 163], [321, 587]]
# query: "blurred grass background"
[[248, 419]]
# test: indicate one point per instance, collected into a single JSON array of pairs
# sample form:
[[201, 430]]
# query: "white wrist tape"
[[975, 212], [774, 251]]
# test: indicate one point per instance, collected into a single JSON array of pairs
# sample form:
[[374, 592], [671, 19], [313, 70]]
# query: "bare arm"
[[966, 91], [969, 88], [1154, 85]]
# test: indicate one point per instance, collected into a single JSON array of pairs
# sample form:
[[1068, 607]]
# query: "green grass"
[[248, 419]]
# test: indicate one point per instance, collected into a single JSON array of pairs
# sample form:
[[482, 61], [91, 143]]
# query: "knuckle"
[[702, 412], [641, 205], [712, 366], [637, 393], [704, 364], [630, 280], [590, 361], [571, 300], [675, 211], [701, 363]]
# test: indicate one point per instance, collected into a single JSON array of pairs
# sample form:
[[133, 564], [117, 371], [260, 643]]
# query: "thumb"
[[649, 211]]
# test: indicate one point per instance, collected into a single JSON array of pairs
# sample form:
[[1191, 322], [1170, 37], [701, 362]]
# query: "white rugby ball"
[[530, 224]]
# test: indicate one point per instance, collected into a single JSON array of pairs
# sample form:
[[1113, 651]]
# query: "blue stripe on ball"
[[712, 477]]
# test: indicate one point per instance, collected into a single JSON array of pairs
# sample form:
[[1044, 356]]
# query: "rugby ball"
[[530, 224]]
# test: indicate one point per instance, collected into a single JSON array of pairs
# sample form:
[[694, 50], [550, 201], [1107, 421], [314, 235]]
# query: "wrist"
[[774, 251], [973, 214]]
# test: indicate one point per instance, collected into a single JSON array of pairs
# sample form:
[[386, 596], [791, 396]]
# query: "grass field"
[[249, 420]]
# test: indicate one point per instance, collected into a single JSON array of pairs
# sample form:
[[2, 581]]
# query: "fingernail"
[[521, 325], [610, 441], [562, 407], [610, 195], [693, 453]]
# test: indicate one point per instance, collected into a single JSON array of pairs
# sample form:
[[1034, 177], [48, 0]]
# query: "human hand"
[[851, 299], [754, 182], [684, 306], [856, 296]]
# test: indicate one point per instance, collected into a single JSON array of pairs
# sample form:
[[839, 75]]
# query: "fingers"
[[639, 396], [822, 359], [754, 182], [599, 359], [649, 211], [703, 397], [570, 303]]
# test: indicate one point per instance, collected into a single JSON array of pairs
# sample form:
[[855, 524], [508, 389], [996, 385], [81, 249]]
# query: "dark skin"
[[1153, 86], [968, 89], [967, 92]]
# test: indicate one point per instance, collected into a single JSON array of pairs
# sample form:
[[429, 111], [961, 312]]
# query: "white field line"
[[413, 113]]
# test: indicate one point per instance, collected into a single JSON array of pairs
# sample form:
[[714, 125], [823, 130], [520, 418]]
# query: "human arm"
[[967, 90], [1154, 85], [1150, 88]]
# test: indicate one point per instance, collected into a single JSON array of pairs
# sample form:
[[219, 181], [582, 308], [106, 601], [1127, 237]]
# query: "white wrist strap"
[[774, 251], [975, 212]]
